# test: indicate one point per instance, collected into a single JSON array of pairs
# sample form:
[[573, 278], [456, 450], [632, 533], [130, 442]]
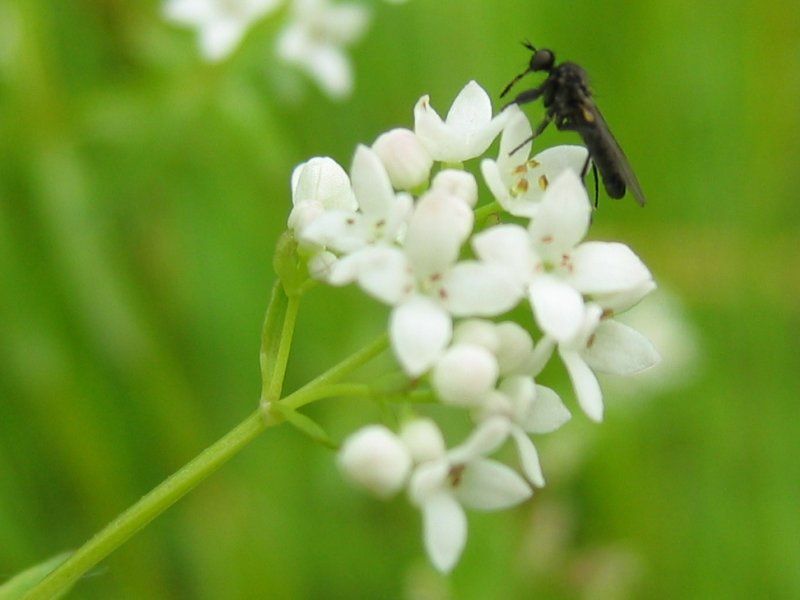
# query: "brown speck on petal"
[[455, 475], [546, 239], [350, 221], [543, 182], [443, 293], [522, 185], [520, 169], [380, 223], [590, 341], [607, 313], [533, 163]]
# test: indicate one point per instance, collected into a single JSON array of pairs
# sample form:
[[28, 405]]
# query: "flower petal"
[[383, 273], [471, 109], [558, 307], [464, 374], [477, 289], [419, 330], [508, 246], [587, 389], [515, 347], [619, 349], [618, 302], [339, 230], [547, 413], [528, 457], [371, 184], [607, 267], [445, 530], [563, 216], [323, 180], [490, 485], [437, 229], [485, 439]]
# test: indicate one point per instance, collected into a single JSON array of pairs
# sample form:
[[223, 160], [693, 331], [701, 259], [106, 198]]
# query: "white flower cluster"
[[412, 242], [313, 38]]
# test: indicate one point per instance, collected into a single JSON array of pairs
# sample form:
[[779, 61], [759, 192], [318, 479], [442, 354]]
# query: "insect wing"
[[613, 148]]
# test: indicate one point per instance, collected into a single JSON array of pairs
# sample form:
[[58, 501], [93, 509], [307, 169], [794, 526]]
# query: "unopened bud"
[[375, 459], [405, 158]]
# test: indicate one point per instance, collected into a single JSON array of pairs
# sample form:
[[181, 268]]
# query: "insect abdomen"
[[604, 160]]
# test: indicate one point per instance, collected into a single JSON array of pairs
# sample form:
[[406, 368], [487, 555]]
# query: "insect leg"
[[542, 126], [526, 96], [585, 170]]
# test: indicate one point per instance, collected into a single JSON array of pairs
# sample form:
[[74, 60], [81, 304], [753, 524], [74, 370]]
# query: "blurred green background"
[[141, 194]]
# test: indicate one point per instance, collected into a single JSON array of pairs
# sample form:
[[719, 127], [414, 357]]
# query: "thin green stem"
[[307, 396], [335, 373], [148, 508], [276, 311], [486, 210], [273, 390]]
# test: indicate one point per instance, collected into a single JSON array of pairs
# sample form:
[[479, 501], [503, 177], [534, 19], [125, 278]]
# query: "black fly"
[[568, 103]]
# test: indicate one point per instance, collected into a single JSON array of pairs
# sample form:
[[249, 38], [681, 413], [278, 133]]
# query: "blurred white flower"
[[314, 40], [220, 24], [405, 158], [462, 476], [458, 183], [555, 267], [468, 129], [376, 459], [518, 182], [464, 374], [528, 408]]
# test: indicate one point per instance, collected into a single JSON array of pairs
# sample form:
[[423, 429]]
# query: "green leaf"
[[307, 426], [23, 582]]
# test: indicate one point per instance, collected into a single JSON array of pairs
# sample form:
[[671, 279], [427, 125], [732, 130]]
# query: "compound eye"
[[542, 60]]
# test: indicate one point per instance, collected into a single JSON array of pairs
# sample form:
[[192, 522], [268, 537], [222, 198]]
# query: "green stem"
[[148, 508], [298, 399], [487, 209], [276, 311], [273, 390]]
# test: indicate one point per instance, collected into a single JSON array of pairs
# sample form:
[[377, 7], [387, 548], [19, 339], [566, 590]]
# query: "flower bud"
[[376, 459], [464, 374], [457, 183], [515, 348], [405, 158], [423, 439], [479, 332]]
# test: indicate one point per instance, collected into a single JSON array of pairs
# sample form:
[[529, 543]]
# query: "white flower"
[[376, 459], [221, 24], [458, 183], [464, 374], [604, 345], [405, 158], [467, 131], [318, 186], [462, 476], [518, 182], [557, 269], [314, 39], [382, 214], [528, 408], [425, 282]]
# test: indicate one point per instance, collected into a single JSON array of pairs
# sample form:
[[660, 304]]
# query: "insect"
[[568, 103]]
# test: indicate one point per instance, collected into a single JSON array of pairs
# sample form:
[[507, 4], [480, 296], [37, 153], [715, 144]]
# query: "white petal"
[[420, 330], [383, 273], [618, 302], [607, 267], [330, 67], [445, 530], [477, 331], [563, 216], [460, 184], [323, 180], [434, 134], [587, 389], [547, 413], [528, 457], [515, 347], [485, 439], [428, 479], [436, 231], [541, 355], [558, 307], [338, 230], [619, 349], [490, 485], [464, 374], [517, 206], [371, 183], [189, 12], [521, 391], [471, 110], [516, 131], [509, 246], [321, 265], [473, 288], [546, 167], [396, 221]]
